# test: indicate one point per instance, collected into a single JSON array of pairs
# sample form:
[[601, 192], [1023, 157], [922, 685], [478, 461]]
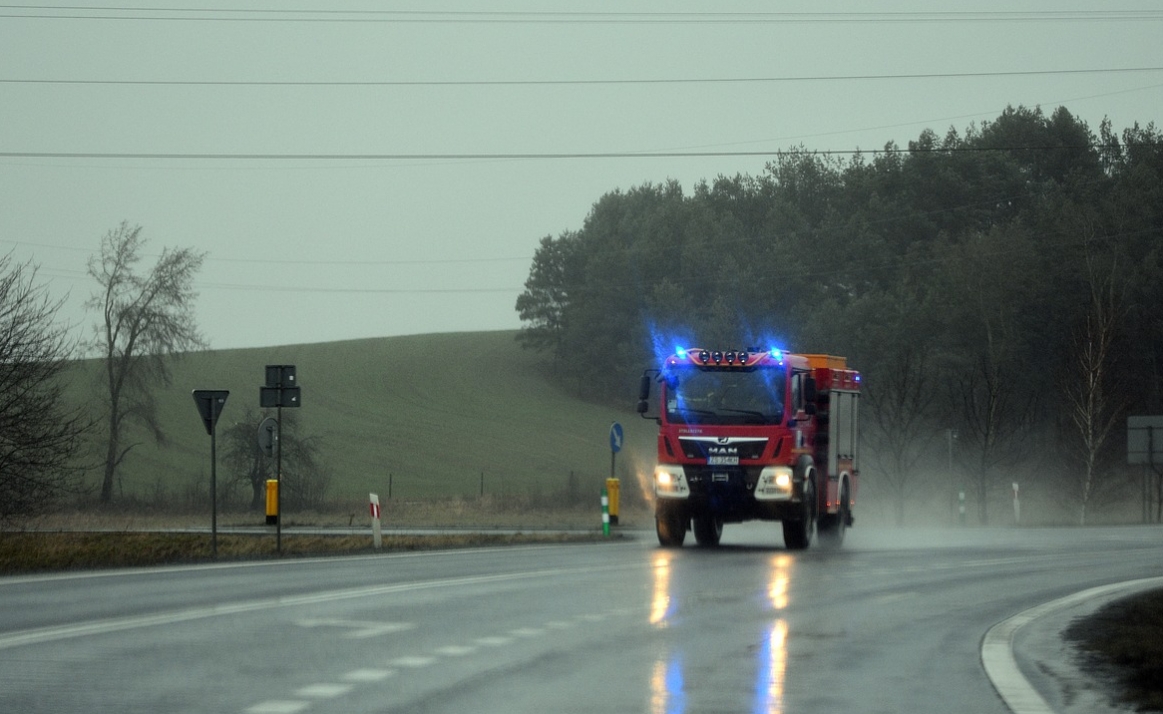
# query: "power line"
[[222, 14], [513, 156], [572, 82], [275, 261]]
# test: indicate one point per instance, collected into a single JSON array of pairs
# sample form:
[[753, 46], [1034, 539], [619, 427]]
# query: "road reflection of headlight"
[[660, 601], [772, 670], [777, 586], [667, 689]]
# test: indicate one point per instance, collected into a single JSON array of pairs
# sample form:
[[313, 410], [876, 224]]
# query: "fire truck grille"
[[705, 478], [702, 448]]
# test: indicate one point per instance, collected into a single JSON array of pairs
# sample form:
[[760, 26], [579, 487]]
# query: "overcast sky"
[[363, 169]]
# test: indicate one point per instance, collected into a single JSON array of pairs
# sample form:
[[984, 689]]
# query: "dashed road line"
[[527, 632], [413, 662], [320, 691], [494, 641], [278, 706], [323, 691], [363, 676]]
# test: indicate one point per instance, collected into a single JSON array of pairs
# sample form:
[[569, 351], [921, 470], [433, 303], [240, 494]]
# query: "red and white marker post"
[[377, 533]]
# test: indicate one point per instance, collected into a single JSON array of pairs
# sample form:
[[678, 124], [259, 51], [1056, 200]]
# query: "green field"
[[429, 413]]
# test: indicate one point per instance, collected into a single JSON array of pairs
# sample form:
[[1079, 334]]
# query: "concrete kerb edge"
[[997, 647]]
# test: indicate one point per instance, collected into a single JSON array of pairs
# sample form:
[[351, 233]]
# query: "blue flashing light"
[[776, 354], [681, 352]]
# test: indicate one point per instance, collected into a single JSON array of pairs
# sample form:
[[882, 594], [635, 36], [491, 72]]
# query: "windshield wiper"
[[763, 418]]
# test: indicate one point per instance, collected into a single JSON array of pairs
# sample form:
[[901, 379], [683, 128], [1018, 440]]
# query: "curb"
[[997, 647]]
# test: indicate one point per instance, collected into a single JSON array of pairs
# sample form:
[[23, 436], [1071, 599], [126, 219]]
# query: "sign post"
[[1145, 446], [613, 486], [280, 390], [210, 403]]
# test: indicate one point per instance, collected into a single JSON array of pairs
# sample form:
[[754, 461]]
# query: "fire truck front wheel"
[[671, 524], [708, 530], [797, 531]]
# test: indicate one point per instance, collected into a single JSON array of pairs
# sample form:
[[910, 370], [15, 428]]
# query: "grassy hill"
[[433, 412]]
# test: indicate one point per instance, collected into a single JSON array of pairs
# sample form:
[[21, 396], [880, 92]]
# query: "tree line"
[[999, 288]]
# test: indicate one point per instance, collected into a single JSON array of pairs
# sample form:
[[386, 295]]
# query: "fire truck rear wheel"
[[671, 525], [832, 527], [708, 530]]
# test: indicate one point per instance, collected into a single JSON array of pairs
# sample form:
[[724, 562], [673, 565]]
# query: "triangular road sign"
[[210, 403]]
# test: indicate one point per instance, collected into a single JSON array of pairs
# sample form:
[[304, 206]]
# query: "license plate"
[[722, 461]]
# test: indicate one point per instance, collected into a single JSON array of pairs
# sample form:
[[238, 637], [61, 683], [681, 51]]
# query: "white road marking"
[[494, 641], [997, 647], [358, 629], [119, 624], [527, 632], [368, 675], [278, 706], [413, 662], [455, 650], [324, 691], [559, 625]]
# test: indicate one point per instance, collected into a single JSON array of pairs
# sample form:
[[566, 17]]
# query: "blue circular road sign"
[[615, 437]]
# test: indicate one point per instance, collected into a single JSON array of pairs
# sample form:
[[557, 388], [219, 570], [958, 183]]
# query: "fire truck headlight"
[[775, 483], [670, 482]]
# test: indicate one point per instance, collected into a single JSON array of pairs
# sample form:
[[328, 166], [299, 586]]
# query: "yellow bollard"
[[612, 488], [272, 501]]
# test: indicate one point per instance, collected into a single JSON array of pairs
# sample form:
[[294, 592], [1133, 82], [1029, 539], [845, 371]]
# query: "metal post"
[[213, 493], [279, 479], [949, 437], [1146, 477]]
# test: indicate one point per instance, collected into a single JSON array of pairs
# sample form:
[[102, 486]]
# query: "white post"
[[1017, 505], [377, 533]]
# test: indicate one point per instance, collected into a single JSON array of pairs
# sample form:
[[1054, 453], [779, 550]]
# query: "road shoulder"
[[1037, 671]]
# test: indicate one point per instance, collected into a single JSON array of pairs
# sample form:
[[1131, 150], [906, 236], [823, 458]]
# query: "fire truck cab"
[[754, 435]]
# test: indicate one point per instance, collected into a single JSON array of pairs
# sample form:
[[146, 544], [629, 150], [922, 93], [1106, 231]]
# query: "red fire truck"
[[754, 435]]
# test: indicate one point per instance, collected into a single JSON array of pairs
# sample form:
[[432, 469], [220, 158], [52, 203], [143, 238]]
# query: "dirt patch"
[[1124, 640]]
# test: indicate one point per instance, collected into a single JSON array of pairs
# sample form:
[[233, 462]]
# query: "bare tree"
[[145, 319], [989, 275], [40, 434], [304, 481], [900, 390], [1088, 385]]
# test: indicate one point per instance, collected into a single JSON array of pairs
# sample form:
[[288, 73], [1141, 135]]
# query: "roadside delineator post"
[[605, 513], [377, 532]]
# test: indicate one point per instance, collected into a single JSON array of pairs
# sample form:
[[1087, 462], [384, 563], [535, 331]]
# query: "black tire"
[[708, 530], [670, 525], [832, 528], [797, 532]]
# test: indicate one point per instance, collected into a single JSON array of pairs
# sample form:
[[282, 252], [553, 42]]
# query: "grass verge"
[[1125, 638], [39, 552]]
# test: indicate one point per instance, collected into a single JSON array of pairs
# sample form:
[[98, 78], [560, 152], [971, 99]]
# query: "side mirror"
[[643, 406], [643, 391], [810, 391]]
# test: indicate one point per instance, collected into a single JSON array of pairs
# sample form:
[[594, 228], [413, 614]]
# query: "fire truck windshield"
[[725, 396]]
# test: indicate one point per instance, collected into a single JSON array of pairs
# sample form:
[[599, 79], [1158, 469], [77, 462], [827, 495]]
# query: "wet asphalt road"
[[892, 622]]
